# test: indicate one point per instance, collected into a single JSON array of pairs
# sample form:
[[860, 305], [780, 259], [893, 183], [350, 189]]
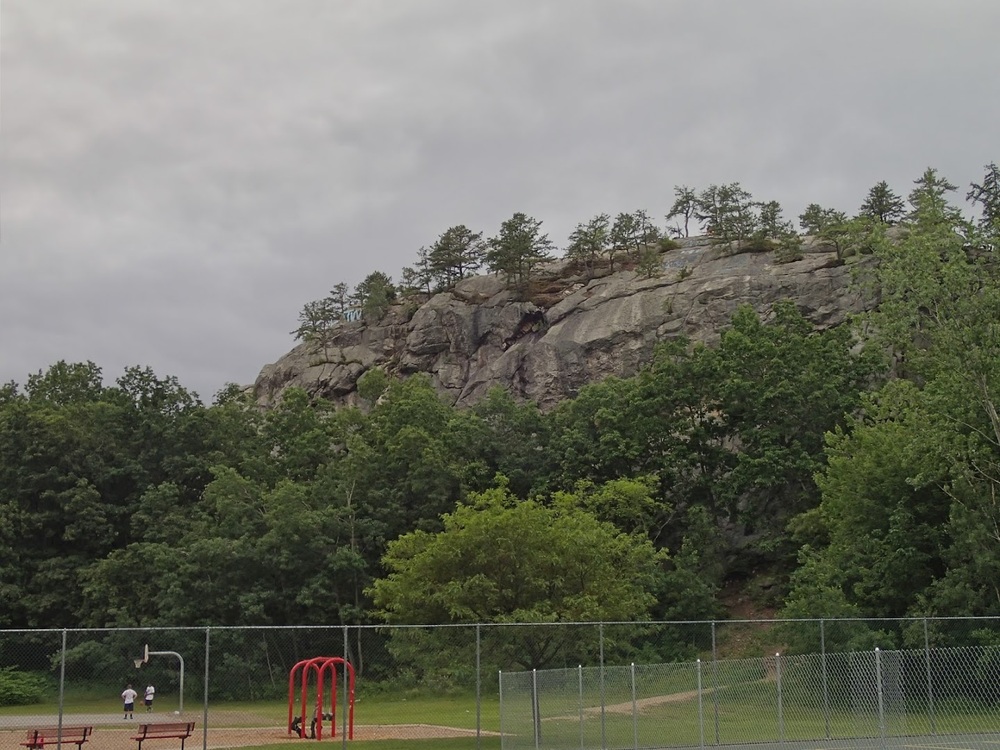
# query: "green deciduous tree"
[[505, 437], [499, 559], [630, 504], [884, 514], [663, 422], [782, 387], [695, 573], [65, 383], [77, 460], [401, 459], [908, 494]]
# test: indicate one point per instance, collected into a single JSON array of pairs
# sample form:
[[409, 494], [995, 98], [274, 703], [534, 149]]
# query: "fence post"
[[62, 689], [346, 708], [930, 686], [880, 697], [204, 700], [635, 713], [579, 671], [826, 684], [500, 701], [781, 716], [604, 736], [701, 711], [479, 689], [715, 683], [536, 719]]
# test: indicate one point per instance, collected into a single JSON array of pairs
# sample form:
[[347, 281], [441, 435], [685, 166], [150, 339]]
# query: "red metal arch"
[[323, 666]]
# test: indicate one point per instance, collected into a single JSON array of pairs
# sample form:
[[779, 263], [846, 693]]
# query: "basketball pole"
[[145, 658]]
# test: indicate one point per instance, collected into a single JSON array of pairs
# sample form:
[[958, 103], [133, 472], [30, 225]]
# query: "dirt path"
[[640, 705]]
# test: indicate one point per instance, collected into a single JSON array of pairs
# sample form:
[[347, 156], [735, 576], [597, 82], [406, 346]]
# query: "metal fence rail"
[[566, 685]]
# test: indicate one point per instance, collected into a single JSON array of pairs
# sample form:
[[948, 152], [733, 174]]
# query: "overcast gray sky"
[[178, 177]]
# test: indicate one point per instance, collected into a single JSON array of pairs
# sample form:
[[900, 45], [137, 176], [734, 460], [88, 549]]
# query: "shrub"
[[759, 244], [20, 688], [649, 263], [788, 250]]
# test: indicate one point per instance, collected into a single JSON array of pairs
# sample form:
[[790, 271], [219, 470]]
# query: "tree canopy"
[[500, 559], [855, 468]]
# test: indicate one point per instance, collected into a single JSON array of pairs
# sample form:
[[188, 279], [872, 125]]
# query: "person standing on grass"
[[129, 696], [150, 694]]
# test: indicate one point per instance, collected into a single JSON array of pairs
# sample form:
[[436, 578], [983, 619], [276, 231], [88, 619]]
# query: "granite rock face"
[[572, 330]]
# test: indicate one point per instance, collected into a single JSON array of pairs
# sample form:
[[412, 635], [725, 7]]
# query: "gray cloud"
[[179, 178]]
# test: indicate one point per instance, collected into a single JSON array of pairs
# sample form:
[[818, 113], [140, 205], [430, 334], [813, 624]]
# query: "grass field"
[[738, 717]]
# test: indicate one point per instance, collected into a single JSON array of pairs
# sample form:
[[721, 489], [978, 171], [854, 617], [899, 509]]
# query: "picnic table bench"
[[39, 737], [177, 730]]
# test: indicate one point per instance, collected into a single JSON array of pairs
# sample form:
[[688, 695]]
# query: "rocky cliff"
[[573, 329]]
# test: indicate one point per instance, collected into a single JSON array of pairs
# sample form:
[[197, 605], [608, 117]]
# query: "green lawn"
[[745, 714]]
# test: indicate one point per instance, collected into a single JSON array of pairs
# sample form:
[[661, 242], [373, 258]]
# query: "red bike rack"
[[325, 667]]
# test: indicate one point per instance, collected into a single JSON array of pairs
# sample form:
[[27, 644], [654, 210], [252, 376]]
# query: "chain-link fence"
[[868, 699], [583, 685]]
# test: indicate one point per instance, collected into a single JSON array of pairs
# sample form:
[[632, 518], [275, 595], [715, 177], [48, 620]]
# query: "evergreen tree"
[[882, 204], [987, 196], [340, 299], [518, 248], [685, 207], [457, 253], [374, 295], [929, 199], [588, 242], [317, 321], [818, 221], [726, 212], [625, 237], [419, 277]]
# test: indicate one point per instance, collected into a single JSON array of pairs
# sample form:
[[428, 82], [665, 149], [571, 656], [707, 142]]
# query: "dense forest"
[[847, 472]]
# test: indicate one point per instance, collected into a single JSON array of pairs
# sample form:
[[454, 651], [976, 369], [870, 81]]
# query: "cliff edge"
[[575, 328]]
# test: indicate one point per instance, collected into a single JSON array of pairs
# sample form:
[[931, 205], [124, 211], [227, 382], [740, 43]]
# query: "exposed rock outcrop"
[[571, 332]]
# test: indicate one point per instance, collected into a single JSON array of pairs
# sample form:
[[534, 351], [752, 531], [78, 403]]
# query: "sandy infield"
[[120, 739]]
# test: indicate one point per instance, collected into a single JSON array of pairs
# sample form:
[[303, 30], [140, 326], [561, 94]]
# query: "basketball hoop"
[[142, 659], [138, 663]]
